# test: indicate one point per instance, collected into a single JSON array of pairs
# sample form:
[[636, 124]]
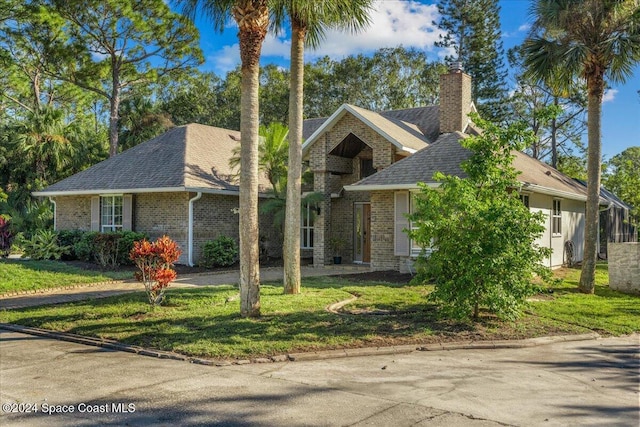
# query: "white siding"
[[572, 227]]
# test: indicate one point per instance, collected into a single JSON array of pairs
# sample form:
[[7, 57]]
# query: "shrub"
[[70, 238], [107, 249], [85, 247], [125, 244], [482, 235], [155, 261], [221, 252], [43, 245], [6, 237]]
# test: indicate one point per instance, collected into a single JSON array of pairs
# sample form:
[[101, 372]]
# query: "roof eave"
[[553, 192], [387, 187], [140, 190], [344, 108]]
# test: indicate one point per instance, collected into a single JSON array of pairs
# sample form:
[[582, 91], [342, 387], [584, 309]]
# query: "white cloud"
[[524, 27], [393, 23], [226, 59], [609, 95]]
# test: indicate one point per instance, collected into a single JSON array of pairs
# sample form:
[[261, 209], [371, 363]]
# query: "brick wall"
[[455, 101], [382, 228], [73, 213], [337, 214], [624, 267], [158, 214]]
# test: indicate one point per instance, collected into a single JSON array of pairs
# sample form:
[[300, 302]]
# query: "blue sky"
[[409, 23]]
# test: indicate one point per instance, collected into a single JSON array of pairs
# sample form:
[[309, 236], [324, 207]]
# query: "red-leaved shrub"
[[155, 261]]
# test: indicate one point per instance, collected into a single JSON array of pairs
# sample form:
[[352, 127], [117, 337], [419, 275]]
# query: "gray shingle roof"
[[193, 156], [421, 121], [446, 155]]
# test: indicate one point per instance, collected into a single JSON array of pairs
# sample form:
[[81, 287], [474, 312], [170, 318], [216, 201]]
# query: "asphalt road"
[[593, 382]]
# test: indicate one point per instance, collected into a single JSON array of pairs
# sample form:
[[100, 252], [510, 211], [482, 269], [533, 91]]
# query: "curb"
[[8, 295], [300, 357]]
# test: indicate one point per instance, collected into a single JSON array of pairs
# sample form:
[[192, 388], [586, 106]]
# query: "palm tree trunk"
[[594, 118], [291, 250], [252, 17]]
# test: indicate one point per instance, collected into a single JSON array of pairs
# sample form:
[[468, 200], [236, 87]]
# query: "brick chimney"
[[455, 99]]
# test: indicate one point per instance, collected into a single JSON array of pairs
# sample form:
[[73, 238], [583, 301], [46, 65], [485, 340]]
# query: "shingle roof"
[[192, 157], [421, 122], [425, 118], [446, 156]]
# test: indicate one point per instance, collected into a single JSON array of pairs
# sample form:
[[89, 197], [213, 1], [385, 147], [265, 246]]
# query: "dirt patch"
[[390, 276]]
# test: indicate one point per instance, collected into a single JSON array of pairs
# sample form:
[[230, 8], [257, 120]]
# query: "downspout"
[[55, 211], [190, 238]]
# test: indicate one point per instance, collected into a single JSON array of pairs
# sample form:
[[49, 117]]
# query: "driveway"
[[593, 382]]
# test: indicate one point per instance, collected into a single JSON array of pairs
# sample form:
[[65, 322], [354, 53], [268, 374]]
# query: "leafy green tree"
[[308, 20], [556, 115], [116, 46], [483, 236], [573, 166], [595, 40], [141, 120], [390, 79], [623, 177], [473, 31], [252, 18], [196, 98]]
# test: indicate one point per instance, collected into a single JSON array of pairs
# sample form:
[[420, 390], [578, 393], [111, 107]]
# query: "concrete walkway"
[[593, 382], [102, 290]]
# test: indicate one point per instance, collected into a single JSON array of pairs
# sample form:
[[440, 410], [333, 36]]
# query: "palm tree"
[[309, 20], [597, 40], [272, 155], [252, 17]]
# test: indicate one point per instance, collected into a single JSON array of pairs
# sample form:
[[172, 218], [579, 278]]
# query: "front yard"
[[205, 321], [23, 275]]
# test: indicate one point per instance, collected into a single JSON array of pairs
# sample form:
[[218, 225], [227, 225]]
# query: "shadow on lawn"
[[189, 324]]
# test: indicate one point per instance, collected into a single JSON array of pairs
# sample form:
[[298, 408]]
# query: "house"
[[368, 164], [179, 184], [365, 164]]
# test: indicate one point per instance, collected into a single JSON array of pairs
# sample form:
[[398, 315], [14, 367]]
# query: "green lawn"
[[606, 312], [205, 321], [26, 275]]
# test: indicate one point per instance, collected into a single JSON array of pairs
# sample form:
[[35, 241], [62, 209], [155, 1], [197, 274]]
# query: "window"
[[110, 213], [556, 218], [524, 198], [306, 226], [366, 168]]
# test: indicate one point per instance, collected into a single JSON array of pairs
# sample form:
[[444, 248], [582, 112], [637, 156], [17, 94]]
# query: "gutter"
[[190, 230], [141, 190], [382, 187]]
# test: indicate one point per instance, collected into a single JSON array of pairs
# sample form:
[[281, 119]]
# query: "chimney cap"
[[456, 67]]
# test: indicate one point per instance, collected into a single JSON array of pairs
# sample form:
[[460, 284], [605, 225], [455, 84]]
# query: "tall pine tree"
[[473, 32]]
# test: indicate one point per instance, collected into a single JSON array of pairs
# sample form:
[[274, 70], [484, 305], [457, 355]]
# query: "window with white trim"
[[524, 198], [306, 226], [110, 213], [556, 218]]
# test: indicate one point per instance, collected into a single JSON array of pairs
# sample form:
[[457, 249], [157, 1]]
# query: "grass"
[[606, 311], [205, 321], [28, 275]]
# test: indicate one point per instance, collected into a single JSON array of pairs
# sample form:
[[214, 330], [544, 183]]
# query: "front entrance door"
[[362, 235]]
